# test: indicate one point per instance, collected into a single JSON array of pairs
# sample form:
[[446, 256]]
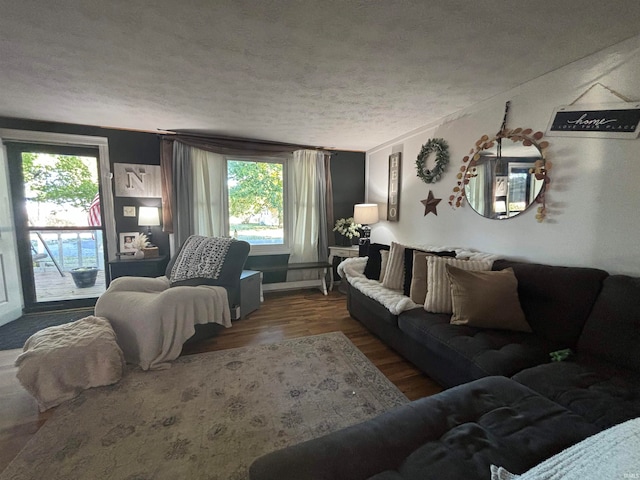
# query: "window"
[[257, 201]]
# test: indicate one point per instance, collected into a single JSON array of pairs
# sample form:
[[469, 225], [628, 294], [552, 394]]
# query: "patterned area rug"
[[210, 415]]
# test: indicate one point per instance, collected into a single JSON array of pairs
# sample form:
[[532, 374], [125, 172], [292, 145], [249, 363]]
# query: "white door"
[[10, 291]]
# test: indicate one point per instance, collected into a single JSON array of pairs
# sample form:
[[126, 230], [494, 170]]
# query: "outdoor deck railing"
[[65, 249]]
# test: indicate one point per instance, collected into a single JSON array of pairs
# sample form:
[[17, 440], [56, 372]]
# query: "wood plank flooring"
[[282, 315]]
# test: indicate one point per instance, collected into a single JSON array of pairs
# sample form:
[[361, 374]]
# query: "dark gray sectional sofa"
[[602, 381], [508, 405]]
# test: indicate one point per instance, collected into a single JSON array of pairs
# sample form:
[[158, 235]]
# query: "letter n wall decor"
[[393, 200]]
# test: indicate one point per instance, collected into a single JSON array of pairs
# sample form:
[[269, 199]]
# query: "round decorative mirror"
[[504, 175]]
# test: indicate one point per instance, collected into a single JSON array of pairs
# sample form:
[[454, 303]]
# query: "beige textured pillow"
[[418, 291], [384, 259], [438, 299], [394, 273], [486, 299]]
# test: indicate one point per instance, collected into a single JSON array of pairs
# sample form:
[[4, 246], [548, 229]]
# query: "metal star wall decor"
[[430, 203]]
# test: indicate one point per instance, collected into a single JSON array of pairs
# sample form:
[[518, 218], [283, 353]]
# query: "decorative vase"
[[139, 255]]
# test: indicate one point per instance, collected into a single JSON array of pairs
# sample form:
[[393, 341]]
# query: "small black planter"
[[84, 277]]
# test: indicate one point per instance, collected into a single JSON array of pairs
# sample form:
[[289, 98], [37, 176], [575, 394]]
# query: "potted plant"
[[84, 277], [348, 229]]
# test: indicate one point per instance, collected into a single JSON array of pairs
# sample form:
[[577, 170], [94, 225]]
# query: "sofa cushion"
[[475, 352], [600, 392], [374, 261], [486, 299], [614, 323], [384, 257], [456, 434], [548, 296], [394, 273], [418, 287], [438, 299], [409, 256]]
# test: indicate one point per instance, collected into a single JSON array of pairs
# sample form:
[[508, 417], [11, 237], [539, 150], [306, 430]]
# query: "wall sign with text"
[[393, 202], [137, 180], [603, 120]]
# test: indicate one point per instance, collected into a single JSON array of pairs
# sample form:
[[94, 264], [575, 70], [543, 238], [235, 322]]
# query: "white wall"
[[594, 199]]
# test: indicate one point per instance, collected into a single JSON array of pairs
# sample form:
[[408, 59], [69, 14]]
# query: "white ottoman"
[[58, 363]]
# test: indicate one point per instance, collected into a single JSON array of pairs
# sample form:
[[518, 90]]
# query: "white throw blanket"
[[613, 453], [394, 300], [152, 320]]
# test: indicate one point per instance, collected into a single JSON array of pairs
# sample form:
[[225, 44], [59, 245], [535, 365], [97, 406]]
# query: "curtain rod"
[[204, 136]]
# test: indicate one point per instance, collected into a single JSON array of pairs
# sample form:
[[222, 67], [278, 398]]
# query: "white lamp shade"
[[365, 213], [148, 216]]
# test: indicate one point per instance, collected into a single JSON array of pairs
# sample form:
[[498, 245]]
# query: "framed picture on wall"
[[127, 242], [393, 201]]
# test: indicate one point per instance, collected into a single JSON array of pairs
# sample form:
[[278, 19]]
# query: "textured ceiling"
[[343, 74]]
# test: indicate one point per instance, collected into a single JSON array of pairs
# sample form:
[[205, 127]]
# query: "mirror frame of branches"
[[540, 169]]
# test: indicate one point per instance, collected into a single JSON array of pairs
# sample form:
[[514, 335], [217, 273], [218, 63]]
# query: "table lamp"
[[365, 214], [148, 217]]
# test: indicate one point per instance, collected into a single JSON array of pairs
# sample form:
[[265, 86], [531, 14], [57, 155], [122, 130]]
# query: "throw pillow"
[[200, 261], [374, 261], [438, 299], [384, 254], [408, 266], [394, 274], [418, 290], [486, 299]]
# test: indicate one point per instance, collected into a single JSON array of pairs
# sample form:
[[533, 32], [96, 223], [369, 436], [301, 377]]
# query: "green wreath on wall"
[[441, 149]]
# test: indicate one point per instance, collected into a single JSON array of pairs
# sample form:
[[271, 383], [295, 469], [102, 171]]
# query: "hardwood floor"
[[282, 316]]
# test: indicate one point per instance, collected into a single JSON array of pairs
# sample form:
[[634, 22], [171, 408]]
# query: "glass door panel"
[[67, 264], [59, 225]]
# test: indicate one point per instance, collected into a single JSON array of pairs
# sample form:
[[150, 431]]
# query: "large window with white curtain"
[[256, 201], [277, 204], [245, 198]]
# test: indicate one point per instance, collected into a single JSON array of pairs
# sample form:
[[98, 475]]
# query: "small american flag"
[[94, 212]]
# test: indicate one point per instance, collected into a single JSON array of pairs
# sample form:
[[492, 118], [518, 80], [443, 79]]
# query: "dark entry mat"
[[14, 334]]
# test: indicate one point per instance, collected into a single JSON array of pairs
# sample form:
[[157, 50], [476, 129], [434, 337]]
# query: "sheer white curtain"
[[210, 195], [303, 184]]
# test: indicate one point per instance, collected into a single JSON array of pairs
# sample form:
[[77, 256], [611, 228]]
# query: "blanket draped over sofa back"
[[200, 257]]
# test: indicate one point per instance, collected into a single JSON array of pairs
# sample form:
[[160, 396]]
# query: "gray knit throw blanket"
[[200, 257]]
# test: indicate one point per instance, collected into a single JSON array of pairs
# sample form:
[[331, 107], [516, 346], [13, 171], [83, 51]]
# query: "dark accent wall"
[[347, 169], [347, 177], [124, 147]]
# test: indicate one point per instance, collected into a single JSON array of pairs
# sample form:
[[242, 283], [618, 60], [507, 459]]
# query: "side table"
[[145, 267], [250, 292], [341, 252]]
